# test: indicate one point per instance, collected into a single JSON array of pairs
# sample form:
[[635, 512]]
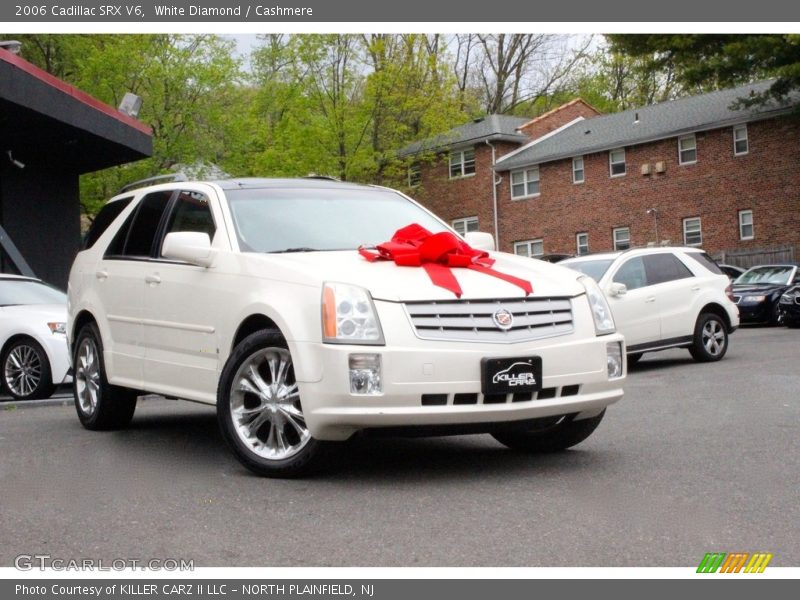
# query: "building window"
[[414, 174], [740, 145], [692, 232], [582, 243], [687, 150], [462, 163], [616, 162], [466, 224], [622, 238], [525, 184], [577, 169], [531, 248], [746, 231]]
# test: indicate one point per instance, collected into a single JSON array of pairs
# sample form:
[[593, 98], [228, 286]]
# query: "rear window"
[[593, 268], [103, 219], [704, 259]]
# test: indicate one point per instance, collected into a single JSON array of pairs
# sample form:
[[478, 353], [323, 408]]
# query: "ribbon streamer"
[[438, 253]]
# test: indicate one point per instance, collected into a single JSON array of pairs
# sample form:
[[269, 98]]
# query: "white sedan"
[[34, 356]]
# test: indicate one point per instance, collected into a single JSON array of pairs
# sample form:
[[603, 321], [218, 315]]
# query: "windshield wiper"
[[300, 249]]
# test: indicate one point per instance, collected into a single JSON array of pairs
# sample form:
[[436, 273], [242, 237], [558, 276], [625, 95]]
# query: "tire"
[[634, 358], [551, 434], [26, 371], [100, 405], [710, 342], [259, 410]]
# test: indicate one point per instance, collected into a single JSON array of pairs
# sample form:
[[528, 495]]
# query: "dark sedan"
[[790, 306], [758, 290]]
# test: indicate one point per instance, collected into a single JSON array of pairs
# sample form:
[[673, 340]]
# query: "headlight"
[[754, 298], [348, 316], [57, 327], [603, 320]]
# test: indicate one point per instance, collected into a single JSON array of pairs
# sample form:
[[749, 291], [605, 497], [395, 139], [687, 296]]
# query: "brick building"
[[693, 171]]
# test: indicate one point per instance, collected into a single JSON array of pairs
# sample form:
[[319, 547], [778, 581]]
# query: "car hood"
[[758, 289], [56, 313], [387, 281]]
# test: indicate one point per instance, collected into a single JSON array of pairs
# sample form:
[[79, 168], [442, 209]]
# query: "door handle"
[[154, 279], [101, 275], [650, 299], [695, 288]]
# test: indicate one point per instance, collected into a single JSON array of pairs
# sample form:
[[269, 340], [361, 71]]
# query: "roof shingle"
[[648, 123], [490, 127]]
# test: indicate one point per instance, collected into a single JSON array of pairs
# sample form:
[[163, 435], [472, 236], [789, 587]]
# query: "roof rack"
[[180, 176], [325, 177]]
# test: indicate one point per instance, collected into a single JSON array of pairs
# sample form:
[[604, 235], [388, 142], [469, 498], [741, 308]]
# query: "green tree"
[[187, 84], [716, 61]]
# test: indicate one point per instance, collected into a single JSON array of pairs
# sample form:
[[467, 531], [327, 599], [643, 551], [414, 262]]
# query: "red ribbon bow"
[[437, 253]]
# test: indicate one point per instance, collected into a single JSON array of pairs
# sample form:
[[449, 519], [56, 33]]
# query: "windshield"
[[23, 291], [306, 219], [593, 268], [775, 274]]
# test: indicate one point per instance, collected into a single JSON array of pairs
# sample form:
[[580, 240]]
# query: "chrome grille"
[[472, 320], [736, 299]]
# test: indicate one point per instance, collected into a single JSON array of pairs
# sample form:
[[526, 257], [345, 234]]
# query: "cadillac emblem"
[[503, 319]]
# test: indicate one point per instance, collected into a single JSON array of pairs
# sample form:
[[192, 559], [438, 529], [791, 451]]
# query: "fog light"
[[614, 359], [365, 374]]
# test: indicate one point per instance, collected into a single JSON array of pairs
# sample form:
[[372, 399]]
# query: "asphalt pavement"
[[696, 458]]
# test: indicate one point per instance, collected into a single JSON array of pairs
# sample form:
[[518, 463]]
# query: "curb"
[[14, 405]]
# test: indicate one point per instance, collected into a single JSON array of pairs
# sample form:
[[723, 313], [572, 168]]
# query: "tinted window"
[[24, 291], [705, 260], [143, 226], [632, 274], [191, 212], [103, 219], [664, 267]]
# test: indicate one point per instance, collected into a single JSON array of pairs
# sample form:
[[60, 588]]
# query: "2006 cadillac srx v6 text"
[[308, 310]]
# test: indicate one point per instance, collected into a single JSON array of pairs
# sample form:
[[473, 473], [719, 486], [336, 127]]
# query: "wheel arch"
[[81, 319], [22, 336], [249, 325], [717, 309]]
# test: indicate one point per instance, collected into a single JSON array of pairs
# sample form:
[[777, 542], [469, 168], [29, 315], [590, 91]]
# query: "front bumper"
[[55, 345], [574, 380], [791, 312], [756, 312]]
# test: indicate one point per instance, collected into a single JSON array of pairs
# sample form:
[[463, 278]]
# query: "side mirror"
[[617, 289], [189, 246], [480, 240]]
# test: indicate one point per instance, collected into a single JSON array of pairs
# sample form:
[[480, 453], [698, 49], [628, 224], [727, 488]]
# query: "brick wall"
[[465, 196], [549, 121], [766, 181]]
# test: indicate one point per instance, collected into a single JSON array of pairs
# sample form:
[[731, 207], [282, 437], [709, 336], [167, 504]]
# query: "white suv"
[[252, 295], [665, 298]]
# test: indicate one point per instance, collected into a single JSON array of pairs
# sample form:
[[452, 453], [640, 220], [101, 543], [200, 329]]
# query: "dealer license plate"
[[511, 375]]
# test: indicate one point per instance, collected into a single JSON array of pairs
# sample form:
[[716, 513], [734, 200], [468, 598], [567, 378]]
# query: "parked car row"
[[758, 292]]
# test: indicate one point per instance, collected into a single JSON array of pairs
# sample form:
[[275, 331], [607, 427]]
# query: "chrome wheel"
[[87, 376], [265, 405], [713, 337], [23, 370]]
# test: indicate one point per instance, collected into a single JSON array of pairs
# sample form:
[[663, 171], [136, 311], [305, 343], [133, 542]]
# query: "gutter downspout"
[[495, 183]]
